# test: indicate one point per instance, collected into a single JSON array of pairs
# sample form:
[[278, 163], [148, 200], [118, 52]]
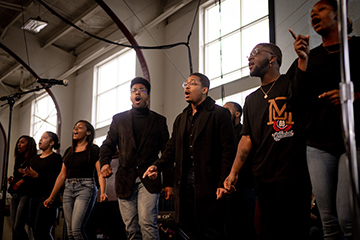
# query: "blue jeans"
[[140, 213], [19, 213], [331, 186], [78, 201]]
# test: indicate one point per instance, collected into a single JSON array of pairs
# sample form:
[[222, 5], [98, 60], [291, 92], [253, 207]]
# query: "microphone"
[[53, 81]]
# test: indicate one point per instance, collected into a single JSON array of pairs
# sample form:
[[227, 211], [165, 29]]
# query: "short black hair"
[[275, 49], [142, 81], [237, 107], [203, 79]]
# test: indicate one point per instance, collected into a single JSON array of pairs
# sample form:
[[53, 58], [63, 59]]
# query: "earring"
[[270, 64]]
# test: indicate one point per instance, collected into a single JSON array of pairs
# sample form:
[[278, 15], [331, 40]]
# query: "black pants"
[[285, 209], [42, 219], [191, 226]]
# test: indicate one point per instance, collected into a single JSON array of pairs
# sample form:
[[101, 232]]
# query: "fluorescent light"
[[34, 25]]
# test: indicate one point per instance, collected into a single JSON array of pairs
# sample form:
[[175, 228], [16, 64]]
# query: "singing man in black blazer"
[[140, 135]]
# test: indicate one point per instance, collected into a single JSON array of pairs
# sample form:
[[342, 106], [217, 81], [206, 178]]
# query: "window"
[[43, 117], [112, 87], [230, 31], [238, 97], [99, 140]]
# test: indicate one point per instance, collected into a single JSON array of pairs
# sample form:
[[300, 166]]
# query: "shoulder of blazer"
[[122, 114], [157, 115]]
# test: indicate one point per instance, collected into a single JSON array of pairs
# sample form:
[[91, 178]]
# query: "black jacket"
[[133, 161], [214, 152]]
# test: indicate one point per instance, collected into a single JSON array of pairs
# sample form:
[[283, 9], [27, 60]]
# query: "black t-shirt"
[[278, 145], [78, 165], [48, 169], [24, 188]]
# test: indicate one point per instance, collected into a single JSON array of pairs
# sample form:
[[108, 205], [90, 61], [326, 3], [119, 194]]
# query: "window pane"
[[127, 64], [231, 53], [114, 96], [212, 55], [107, 76], [212, 24], [240, 30], [252, 10], [99, 140], [44, 117], [230, 16], [106, 106], [258, 33], [123, 94], [238, 97]]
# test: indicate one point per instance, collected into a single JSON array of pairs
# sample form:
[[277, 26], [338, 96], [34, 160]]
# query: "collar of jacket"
[[208, 104]]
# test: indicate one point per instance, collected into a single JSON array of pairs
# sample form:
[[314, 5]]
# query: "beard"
[[261, 69]]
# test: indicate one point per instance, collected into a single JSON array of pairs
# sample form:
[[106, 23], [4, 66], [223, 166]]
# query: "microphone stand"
[[11, 102], [347, 108]]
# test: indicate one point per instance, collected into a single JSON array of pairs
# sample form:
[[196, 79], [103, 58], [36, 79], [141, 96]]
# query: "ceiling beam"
[[68, 28], [80, 62], [10, 71], [11, 6], [14, 20]]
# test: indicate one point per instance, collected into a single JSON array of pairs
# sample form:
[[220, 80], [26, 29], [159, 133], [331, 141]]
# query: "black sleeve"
[[108, 147], [167, 158]]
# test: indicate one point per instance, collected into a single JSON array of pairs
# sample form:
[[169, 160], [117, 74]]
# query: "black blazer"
[[133, 161]]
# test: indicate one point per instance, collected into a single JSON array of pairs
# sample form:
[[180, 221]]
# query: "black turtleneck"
[[139, 120]]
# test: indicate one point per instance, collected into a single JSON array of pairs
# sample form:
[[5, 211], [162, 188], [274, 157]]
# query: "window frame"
[[229, 76], [119, 85], [50, 114]]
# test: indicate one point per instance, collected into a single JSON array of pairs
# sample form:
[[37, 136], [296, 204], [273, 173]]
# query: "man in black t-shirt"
[[274, 136]]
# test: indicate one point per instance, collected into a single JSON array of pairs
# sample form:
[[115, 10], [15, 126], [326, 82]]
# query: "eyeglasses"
[[256, 51], [184, 84], [135, 90]]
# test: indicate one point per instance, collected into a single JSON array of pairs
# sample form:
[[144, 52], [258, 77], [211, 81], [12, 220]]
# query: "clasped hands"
[[152, 173]]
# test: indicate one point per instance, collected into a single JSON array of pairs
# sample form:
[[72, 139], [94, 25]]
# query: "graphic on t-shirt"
[[280, 119]]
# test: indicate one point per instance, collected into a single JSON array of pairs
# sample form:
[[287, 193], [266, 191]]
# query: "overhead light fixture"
[[34, 25]]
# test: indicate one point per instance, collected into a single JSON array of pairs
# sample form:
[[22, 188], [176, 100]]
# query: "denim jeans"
[[42, 219], [140, 213], [19, 213], [331, 187], [78, 201]]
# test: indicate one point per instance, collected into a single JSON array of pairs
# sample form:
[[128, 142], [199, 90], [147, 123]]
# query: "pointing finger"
[[292, 33]]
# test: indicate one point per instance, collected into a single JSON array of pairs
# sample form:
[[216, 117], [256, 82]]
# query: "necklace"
[[330, 52], [266, 93]]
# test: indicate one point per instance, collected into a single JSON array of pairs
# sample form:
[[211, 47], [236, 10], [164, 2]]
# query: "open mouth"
[[315, 21], [137, 99], [251, 64], [187, 93]]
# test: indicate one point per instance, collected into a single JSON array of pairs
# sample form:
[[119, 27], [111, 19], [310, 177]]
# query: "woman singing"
[[19, 188], [43, 170], [77, 172], [318, 77]]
